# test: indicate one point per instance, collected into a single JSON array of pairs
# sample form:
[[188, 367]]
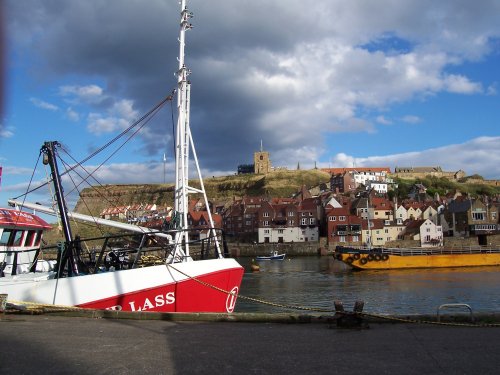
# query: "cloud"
[[462, 85], [383, 120], [44, 105], [480, 155], [72, 115], [118, 117], [411, 119], [86, 94], [289, 78], [5, 133]]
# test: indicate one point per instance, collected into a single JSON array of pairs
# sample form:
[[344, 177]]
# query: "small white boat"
[[273, 256]]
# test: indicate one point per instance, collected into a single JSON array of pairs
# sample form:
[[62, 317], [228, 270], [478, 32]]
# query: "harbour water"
[[316, 282]]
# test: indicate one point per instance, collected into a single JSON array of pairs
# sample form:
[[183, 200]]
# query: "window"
[[266, 223], [29, 238], [265, 214], [280, 231], [342, 239], [303, 221], [18, 237], [291, 222], [291, 213], [312, 221], [341, 218], [4, 240], [332, 218], [478, 216], [355, 238]]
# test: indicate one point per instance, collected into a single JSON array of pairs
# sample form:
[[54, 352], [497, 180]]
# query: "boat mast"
[[49, 157], [185, 145]]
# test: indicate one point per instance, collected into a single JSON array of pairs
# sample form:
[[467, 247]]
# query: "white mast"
[[184, 144]]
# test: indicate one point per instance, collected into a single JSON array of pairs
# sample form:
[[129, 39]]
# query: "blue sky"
[[332, 84]]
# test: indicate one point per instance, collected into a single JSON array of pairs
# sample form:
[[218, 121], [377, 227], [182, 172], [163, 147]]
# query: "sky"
[[329, 83]]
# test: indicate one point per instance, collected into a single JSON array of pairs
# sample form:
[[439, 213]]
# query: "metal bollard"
[[3, 302], [347, 319]]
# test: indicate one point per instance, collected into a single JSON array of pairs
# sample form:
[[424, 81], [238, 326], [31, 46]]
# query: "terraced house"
[[472, 217], [288, 220]]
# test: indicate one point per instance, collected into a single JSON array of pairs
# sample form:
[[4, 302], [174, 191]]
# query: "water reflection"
[[318, 281]]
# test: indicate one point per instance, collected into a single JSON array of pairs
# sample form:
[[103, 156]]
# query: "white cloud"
[[89, 94], [462, 85], [44, 105], [383, 120], [479, 155], [72, 115], [118, 117], [411, 119], [5, 133]]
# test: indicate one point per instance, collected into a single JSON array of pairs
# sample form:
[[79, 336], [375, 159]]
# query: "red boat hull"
[[208, 293]]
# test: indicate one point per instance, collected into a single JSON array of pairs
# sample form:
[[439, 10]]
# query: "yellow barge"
[[396, 258]]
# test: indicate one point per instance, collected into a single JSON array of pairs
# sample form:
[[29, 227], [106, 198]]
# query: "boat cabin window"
[[5, 239], [30, 237], [18, 238]]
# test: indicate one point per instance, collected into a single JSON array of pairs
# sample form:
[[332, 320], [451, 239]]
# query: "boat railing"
[[408, 251], [18, 260], [116, 252], [440, 250]]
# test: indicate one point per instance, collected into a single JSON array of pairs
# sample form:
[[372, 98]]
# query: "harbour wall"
[[238, 249], [290, 249]]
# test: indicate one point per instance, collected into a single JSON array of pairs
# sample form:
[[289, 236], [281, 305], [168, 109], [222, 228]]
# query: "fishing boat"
[[273, 256], [361, 258], [169, 270]]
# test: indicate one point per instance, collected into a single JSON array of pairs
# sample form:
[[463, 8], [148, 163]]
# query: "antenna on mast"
[[185, 147]]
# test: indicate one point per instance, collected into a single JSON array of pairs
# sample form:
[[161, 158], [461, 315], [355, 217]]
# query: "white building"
[[431, 235]]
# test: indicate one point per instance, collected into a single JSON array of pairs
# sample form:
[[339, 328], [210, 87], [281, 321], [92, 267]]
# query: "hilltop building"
[[421, 172], [261, 163]]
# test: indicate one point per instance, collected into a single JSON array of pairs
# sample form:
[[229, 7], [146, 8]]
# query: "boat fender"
[[363, 261], [385, 257], [349, 260], [370, 257], [377, 257], [357, 256]]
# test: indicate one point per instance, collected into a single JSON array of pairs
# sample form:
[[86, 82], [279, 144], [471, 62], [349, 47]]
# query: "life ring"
[[357, 256], [377, 257], [370, 257], [385, 257], [349, 260], [363, 261]]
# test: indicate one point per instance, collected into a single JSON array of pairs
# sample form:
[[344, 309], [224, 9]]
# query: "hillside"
[[221, 189]]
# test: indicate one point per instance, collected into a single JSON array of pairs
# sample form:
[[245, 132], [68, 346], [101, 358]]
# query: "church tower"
[[261, 162]]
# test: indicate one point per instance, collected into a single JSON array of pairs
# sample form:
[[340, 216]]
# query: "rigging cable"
[[29, 184], [137, 122]]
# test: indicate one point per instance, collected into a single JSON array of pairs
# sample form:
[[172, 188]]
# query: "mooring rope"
[[34, 308]]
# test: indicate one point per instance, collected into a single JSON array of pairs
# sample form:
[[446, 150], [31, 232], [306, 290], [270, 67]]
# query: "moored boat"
[[273, 256], [170, 270], [405, 258]]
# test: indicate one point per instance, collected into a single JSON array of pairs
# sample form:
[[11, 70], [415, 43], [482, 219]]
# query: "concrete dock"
[[58, 344]]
